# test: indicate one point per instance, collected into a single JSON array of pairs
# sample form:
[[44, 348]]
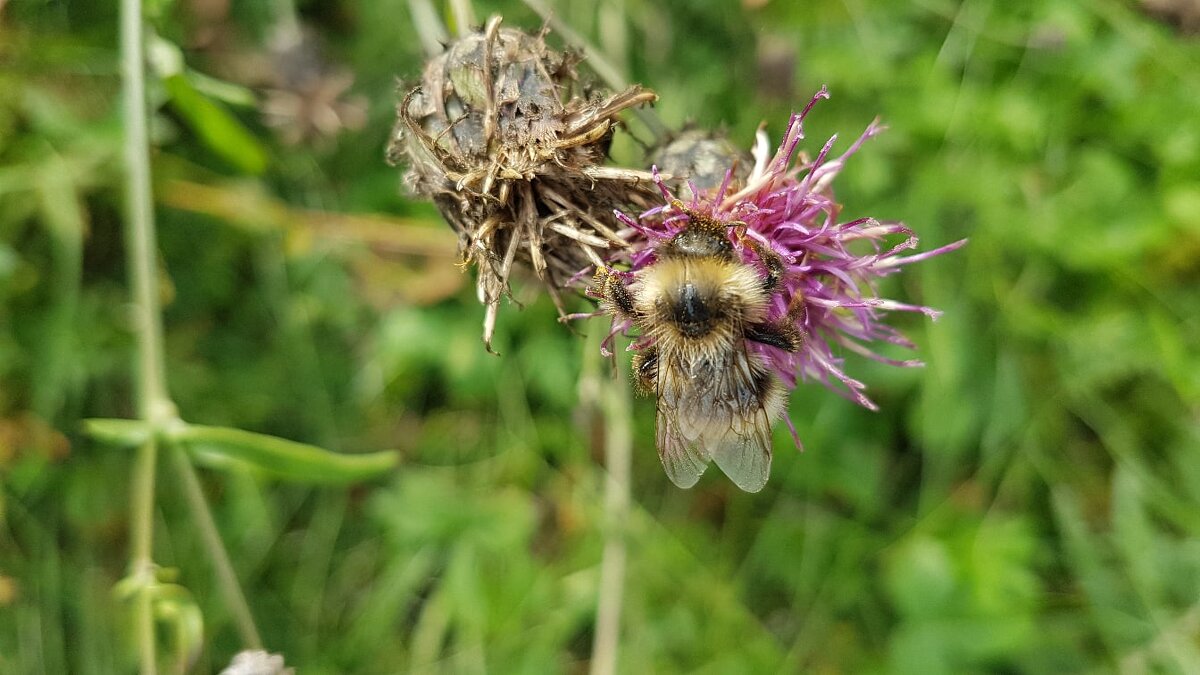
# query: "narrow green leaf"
[[223, 447], [125, 433], [220, 131], [221, 90]]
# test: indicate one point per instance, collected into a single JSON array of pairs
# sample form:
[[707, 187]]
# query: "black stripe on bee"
[[694, 316]]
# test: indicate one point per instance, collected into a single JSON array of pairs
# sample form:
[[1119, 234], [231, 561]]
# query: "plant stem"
[[430, 30], [598, 61], [464, 16], [287, 25], [226, 577], [152, 401], [618, 441], [141, 564]]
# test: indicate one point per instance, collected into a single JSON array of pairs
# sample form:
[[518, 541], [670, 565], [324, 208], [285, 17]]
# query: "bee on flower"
[[743, 291]]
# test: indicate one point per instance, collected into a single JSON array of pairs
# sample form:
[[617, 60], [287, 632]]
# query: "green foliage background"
[[1028, 502]]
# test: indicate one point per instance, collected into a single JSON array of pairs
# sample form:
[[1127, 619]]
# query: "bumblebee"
[[696, 305]]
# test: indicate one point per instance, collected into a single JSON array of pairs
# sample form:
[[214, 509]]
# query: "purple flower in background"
[[831, 268]]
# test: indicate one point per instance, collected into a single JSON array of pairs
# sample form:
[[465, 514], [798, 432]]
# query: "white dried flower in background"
[[257, 662]]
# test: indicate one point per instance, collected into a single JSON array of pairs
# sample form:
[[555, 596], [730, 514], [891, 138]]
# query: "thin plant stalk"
[[287, 24], [226, 577], [617, 409], [141, 565], [150, 386], [153, 402], [429, 26], [598, 61], [613, 34], [464, 17]]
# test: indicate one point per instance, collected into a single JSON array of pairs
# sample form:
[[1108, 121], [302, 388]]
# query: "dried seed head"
[[499, 136], [699, 160]]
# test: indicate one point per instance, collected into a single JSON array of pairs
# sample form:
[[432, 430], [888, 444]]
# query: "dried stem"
[[617, 409]]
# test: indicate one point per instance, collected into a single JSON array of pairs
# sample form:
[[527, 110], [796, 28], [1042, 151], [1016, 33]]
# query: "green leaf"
[[223, 447], [220, 131], [124, 433], [226, 92]]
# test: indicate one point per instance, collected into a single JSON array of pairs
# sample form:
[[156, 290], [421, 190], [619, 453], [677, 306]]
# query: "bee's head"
[[704, 236]]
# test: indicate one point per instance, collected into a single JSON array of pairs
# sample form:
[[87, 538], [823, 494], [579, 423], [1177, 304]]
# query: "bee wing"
[[684, 460], [683, 457], [715, 408], [742, 447]]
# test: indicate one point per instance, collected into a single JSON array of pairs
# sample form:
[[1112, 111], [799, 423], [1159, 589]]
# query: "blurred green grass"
[[1028, 502]]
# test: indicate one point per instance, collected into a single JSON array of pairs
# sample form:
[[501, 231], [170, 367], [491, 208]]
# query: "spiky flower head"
[[832, 267], [502, 138]]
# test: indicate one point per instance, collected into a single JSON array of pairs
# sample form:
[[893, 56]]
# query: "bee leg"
[[607, 286], [770, 259], [645, 371], [783, 335]]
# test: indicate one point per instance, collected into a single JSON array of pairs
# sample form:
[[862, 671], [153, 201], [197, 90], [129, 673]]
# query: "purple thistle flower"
[[831, 268]]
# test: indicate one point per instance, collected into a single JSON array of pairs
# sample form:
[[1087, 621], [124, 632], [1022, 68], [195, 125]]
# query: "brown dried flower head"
[[699, 160], [510, 148]]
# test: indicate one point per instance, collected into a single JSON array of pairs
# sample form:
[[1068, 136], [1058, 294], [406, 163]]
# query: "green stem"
[[150, 386], [617, 411], [153, 402], [141, 565], [430, 30], [598, 61], [226, 577], [287, 22], [464, 16]]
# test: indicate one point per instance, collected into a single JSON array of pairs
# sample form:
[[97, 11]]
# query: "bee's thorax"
[[694, 314], [702, 301]]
